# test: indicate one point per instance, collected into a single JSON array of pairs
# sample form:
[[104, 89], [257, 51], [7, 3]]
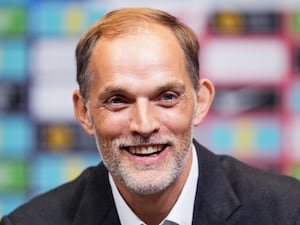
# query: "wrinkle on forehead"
[[163, 38]]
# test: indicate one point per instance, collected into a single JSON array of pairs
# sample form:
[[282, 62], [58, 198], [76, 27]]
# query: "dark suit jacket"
[[228, 193]]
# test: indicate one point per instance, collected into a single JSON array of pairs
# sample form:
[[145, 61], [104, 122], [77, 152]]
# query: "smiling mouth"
[[148, 150]]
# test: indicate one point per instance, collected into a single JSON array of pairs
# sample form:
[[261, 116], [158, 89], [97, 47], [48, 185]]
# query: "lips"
[[147, 150]]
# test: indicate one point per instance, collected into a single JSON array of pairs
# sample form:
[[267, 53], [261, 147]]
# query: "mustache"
[[140, 140]]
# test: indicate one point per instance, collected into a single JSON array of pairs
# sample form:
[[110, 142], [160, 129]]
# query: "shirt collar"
[[182, 211], [126, 215]]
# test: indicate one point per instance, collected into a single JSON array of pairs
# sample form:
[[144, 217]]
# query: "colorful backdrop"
[[249, 49]]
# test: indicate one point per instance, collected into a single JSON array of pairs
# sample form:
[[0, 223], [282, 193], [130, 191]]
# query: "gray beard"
[[155, 184]]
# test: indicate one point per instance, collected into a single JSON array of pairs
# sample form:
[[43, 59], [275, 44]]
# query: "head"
[[140, 95], [127, 21]]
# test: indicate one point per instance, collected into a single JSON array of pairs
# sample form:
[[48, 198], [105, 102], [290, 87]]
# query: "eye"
[[168, 96], [116, 103], [168, 99], [115, 100]]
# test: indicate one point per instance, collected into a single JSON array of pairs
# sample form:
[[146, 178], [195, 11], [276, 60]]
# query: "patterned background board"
[[249, 49]]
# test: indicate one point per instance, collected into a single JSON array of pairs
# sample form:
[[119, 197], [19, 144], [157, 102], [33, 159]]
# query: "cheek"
[[109, 124], [178, 119]]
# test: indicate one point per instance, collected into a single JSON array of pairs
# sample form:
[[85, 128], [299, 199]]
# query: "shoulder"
[[276, 197], [58, 205], [243, 176], [260, 196]]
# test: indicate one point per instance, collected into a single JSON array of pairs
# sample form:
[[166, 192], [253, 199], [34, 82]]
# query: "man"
[[140, 95]]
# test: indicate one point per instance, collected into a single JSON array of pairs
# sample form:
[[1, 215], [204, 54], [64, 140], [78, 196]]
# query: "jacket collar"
[[97, 206], [215, 199]]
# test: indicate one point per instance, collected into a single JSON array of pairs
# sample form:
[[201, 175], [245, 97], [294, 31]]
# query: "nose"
[[143, 119]]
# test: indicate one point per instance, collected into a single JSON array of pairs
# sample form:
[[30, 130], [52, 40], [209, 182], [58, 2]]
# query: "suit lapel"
[[97, 206], [215, 199]]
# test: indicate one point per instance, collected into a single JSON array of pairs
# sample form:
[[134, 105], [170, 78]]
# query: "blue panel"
[[50, 170], [268, 138], [16, 136], [51, 18], [296, 99], [9, 202], [47, 19], [13, 60], [14, 1], [222, 138], [93, 15], [46, 172]]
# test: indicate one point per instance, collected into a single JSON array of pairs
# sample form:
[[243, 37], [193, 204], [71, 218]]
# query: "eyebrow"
[[175, 86], [112, 90]]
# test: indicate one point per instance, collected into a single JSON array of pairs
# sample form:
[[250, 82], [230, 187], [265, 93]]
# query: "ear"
[[205, 97], [81, 113]]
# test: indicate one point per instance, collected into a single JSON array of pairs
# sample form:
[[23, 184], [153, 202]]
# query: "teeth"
[[144, 150]]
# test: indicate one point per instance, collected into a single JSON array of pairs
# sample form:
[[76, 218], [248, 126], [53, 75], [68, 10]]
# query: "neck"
[[153, 208]]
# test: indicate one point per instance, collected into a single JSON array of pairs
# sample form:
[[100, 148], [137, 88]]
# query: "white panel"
[[51, 103], [54, 61], [244, 61]]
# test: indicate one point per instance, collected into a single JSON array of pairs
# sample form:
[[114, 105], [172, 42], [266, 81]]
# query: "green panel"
[[296, 21], [12, 21], [13, 176], [297, 172]]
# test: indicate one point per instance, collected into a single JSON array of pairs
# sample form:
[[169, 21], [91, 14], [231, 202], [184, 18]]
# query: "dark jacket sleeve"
[[5, 221], [297, 220], [86, 200]]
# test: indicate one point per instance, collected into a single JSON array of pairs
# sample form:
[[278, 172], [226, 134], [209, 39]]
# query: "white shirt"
[[182, 211]]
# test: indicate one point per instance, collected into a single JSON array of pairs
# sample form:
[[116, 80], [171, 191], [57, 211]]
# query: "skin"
[[142, 99]]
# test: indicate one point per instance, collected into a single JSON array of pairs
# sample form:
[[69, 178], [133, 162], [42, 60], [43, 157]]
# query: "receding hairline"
[[148, 29], [116, 22], [128, 21]]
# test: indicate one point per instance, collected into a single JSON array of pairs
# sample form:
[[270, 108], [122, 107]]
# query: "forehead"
[[151, 45]]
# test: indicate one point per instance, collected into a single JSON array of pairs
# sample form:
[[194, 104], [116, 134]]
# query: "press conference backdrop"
[[249, 49]]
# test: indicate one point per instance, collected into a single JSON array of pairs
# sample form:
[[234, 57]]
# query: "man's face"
[[141, 106]]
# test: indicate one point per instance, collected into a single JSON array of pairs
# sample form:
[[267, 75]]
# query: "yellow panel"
[[58, 137], [244, 138], [74, 20], [229, 22], [73, 167]]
